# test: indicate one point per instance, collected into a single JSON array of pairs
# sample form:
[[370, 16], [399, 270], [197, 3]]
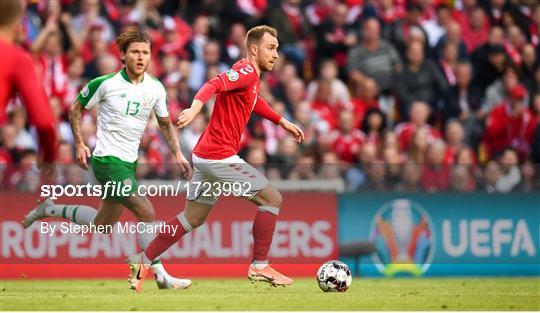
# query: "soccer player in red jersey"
[[18, 75], [216, 161]]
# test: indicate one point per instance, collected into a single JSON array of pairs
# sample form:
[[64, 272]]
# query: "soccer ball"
[[334, 276]]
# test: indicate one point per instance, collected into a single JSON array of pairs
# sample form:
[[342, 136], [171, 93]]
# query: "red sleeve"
[[37, 105], [227, 81], [264, 110], [208, 89]]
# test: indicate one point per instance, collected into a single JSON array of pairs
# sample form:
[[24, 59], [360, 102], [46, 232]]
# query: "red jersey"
[[237, 96], [18, 75], [405, 132], [504, 130], [347, 146]]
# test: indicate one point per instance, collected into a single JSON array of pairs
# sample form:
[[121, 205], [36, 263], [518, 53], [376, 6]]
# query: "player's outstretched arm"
[[189, 114], [293, 129], [82, 151], [169, 133], [264, 110]]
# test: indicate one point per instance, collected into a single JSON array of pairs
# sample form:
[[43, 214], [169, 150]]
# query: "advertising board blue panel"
[[443, 234]]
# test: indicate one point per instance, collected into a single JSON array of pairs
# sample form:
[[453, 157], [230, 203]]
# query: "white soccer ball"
[[334, 276]]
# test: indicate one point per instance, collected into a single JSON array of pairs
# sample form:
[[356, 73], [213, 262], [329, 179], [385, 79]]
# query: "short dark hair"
[[255, 34], [133, 35], [10, 11]]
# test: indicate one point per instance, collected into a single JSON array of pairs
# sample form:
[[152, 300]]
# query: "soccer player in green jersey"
[[125, 101]]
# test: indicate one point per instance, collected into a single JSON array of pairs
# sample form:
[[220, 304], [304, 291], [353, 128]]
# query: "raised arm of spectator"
[[76, 41], [39, 43]]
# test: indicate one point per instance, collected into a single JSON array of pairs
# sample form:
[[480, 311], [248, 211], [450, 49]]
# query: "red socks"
[[263, 231], [164, 240]]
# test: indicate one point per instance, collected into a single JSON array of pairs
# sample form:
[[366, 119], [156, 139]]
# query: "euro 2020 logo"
[[403, 236]]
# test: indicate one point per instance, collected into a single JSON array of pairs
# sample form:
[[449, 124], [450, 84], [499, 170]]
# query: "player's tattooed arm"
[[82, 151], [169, 133]]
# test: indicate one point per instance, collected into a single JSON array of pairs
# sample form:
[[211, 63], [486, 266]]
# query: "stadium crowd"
[[393, 95]]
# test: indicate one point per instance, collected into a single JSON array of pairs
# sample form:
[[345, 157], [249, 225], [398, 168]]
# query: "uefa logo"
[[404, 239]]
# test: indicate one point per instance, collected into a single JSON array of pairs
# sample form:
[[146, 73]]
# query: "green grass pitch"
[[240, 294]]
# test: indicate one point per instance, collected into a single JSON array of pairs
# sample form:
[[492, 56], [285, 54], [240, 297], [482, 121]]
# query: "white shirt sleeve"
[[161, 103]]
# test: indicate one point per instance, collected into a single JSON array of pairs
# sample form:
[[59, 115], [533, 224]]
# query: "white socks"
[[259, 264], [78, 214]]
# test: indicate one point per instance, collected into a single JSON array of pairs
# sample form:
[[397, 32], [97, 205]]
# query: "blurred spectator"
[[418, 117], [318, 11], [489, 60], [528, 182], [23, 176], [328, 95], [486, 74], [399, 31], [235, 47], [107, 64], [75, 81], [492, 174], [310, 123], [510, 172], [330, 166], [374, 126], [376, 177], [292, 28], [374, 58], [52, 59], [347, 140], [304, 169], [286, 156], [257, 158], [529, 66], [511, 124], [339, 96], [295, 93], [420, 80], [394, 162], [365, 99], [389, 11], [435, 173], [535, 155], [448, 62], [335, 36], [418, 147], [436, 28], [63, 127], [454, 136], [515, 43], [199, 68], [8, 144], [500, 89], [90, 16], [23, 140], [191, 134], [462, 180], [453, 35], [201, 30], [464, 104], [475, 29], [410, 178]]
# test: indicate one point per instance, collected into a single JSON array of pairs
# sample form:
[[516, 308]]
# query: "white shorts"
[[228, 177]]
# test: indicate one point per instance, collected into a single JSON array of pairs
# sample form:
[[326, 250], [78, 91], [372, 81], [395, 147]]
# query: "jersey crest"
[[148, 97], [85, 91], [232, 75]]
